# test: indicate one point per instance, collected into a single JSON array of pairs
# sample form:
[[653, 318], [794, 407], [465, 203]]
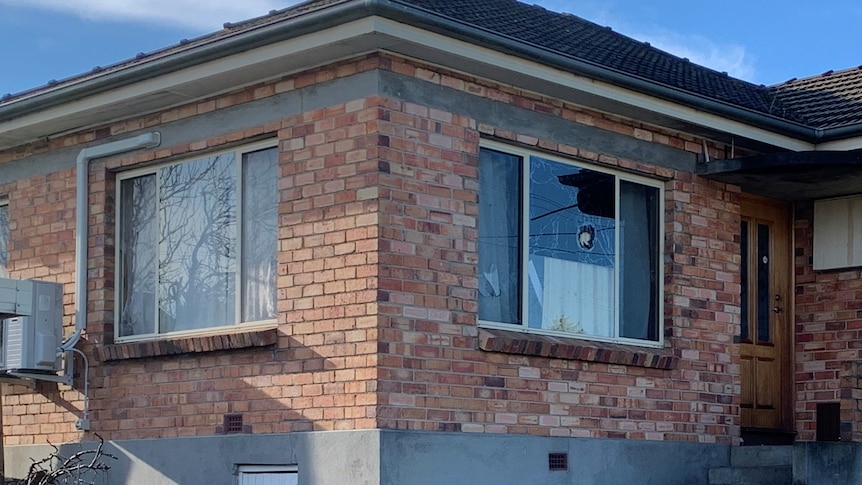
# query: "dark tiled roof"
[[830, 100], [575, 37], [230, 29], [821, 102]]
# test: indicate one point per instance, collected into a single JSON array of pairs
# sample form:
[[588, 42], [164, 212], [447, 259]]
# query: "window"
[[267, 475], [4, 237], [197, 244], [566, 249]]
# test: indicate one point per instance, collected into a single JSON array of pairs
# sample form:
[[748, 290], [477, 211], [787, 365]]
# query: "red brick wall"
[[828, 334], [377, 287], [432, 376], [320, 374], [42, 246]]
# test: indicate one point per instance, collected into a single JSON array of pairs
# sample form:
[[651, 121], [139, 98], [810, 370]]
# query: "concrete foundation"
[[383, 457], [380, 457]]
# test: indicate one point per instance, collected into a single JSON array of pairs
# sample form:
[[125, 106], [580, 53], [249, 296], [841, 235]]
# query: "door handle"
[[776, 308]]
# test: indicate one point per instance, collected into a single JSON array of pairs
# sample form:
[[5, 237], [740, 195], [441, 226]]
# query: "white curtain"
[[259, 234], [578, 297]]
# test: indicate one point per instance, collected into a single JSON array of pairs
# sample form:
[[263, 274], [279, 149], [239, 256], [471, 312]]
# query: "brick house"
[[426, 241]]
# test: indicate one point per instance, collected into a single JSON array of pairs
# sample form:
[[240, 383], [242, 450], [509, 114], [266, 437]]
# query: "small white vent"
[[267, 475]]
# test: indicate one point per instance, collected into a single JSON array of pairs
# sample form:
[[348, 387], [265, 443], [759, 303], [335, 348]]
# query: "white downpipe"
[[147, 140]]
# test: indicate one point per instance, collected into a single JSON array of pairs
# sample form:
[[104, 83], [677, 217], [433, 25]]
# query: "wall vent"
[[232, 424], [558, 461]]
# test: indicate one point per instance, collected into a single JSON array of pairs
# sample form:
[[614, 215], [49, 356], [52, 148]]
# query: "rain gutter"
[[400, 11]]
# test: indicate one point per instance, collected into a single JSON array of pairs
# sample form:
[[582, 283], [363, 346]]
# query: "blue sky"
[[762, 41]]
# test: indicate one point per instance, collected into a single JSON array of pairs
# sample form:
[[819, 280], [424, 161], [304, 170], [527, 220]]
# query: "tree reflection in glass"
[[180, 248], [197, 245], [138, 250]]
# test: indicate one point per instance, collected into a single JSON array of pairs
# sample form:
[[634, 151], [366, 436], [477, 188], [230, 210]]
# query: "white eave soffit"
[[347, 40]]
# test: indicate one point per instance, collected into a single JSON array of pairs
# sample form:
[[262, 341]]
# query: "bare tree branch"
[[81, 468]]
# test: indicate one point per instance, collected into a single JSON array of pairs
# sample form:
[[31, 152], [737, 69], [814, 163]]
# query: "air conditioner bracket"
[[31, 376]]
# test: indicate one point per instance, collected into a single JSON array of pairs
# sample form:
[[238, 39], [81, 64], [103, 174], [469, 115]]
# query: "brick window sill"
[[521, 343], [188, 345]]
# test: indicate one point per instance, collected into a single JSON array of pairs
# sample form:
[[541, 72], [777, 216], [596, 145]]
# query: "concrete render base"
[[384, 457], [833, 463]]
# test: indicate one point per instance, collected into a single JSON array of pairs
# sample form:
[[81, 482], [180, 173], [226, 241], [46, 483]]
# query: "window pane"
[[4, 241], [197, 246], [138, 253], [571, 249], [639, 221], [259, 234], [743, 322], [499, 235], [763, 295]]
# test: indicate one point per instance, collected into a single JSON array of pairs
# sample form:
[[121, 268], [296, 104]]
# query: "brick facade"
[[828, 336], [377, 287]]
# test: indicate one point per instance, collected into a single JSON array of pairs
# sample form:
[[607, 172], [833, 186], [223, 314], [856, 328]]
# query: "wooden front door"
[[766, 330]]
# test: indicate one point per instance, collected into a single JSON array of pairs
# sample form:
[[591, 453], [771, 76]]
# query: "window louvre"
[[267, 475]]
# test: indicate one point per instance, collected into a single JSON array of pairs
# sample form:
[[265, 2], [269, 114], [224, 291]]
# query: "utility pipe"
[[82, 203]]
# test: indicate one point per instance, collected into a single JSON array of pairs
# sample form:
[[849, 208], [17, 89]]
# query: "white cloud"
[[204, 16], [209, 15], [727, 57]]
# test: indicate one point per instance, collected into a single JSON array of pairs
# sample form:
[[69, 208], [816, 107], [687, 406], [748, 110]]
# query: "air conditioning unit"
[[32, 325]]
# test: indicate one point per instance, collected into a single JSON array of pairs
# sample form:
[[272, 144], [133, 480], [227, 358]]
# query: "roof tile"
[[830, 100]]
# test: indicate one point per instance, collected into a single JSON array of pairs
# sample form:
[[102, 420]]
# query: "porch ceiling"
[[791, 176]]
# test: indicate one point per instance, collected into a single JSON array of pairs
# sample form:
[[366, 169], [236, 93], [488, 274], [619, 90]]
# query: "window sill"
[[521, 343], [188, 345]]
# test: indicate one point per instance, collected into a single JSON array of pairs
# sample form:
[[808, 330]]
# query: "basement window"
[[267, 475]]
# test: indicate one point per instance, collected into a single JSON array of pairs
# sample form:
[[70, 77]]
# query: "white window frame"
[[619, 175], [243, 471], [152, 169]]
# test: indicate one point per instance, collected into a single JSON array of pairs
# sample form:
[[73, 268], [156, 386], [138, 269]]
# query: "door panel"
[[766, 332]]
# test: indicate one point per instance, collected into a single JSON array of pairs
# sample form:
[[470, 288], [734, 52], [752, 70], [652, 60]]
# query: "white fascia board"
[[350, 39], [482, 55], [268, 59], [841, 145]]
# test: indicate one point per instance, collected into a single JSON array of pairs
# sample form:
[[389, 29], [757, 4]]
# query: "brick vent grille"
[[558, 461], [232, 424]]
